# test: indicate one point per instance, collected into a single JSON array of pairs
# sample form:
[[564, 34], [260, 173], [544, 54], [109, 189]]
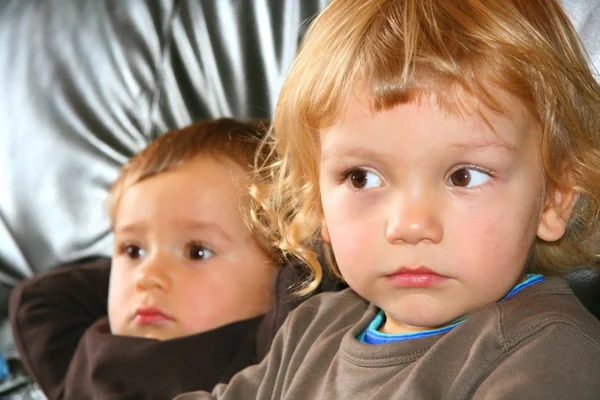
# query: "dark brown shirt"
[[539, 344], [61, 331]]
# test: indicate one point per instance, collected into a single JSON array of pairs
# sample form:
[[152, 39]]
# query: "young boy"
[[189, 282], [448, 152]]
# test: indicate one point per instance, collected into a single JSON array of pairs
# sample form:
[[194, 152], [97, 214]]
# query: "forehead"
[[461, 120], [205, 187], [203, 174]]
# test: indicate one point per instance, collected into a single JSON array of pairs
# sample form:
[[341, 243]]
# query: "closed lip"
[[418, 277], [414, 271], [148, 315]]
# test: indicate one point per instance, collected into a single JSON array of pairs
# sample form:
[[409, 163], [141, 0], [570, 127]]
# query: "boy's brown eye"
[[133, 251], [358, 179], [196, 251], [363, 179], [461, 177], [468, 177]]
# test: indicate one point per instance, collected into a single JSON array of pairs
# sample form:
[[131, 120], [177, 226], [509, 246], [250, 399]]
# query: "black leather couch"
[[84, 84]]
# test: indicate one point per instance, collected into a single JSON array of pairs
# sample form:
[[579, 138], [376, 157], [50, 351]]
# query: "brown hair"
[[234, 140], [401, 51]]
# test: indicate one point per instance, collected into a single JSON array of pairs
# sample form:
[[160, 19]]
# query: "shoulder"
[[549, 305], [344, 304], [66, 278], [536, 343], [325, 312]]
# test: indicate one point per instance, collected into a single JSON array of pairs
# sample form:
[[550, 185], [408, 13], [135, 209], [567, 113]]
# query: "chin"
[[148, 334], [162, 336], [425, 320]]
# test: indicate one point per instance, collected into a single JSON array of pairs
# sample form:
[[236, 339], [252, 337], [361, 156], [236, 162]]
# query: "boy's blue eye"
[[362, 179], [134, 252], [468, 177], [195, 251]]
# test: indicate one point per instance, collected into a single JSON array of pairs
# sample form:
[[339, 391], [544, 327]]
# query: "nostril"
[[414, 227]]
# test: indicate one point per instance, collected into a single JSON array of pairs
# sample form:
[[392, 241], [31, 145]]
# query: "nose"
[[414, 219], [154, 274]]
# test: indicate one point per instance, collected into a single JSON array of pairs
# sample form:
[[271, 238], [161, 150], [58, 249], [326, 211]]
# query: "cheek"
[[498, 237], [354, 233], [224, 295], [117, 296], [198, 304], [243, 290], [248, 275]]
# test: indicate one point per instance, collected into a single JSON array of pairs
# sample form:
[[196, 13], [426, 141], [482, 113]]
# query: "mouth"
[[421, 277], [150, 316]]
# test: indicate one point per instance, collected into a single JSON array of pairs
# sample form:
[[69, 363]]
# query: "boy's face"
[[431, 215], [184, 260]]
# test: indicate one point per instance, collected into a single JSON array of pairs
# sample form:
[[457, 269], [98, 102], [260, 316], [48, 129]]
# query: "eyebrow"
[[485, 145], [201, 225], [136, 227], [361, 152]]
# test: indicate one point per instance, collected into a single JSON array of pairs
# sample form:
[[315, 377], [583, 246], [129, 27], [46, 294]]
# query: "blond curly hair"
[[403, 50]]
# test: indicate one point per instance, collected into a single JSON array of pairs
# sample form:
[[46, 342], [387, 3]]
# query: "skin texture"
[[417, 187], [182, 247]]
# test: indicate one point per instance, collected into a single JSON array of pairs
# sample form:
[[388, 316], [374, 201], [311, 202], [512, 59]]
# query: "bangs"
[[396, 52], [468, 56]]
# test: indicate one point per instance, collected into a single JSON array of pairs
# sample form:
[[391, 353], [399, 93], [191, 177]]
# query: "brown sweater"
[[539, 344], [61, 331]]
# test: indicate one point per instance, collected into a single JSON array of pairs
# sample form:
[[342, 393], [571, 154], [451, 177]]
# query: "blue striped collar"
[[371, 335]]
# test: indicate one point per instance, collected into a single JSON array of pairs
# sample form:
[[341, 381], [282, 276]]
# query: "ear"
[[325, 231], [559, 206]]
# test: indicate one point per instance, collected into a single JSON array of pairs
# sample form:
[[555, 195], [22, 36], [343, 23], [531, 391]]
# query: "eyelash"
[[477, 168], [344, 175], [471, 166], [199, 245], [122, 249]]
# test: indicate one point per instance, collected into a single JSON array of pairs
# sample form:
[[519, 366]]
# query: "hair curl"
[[404, 50]]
